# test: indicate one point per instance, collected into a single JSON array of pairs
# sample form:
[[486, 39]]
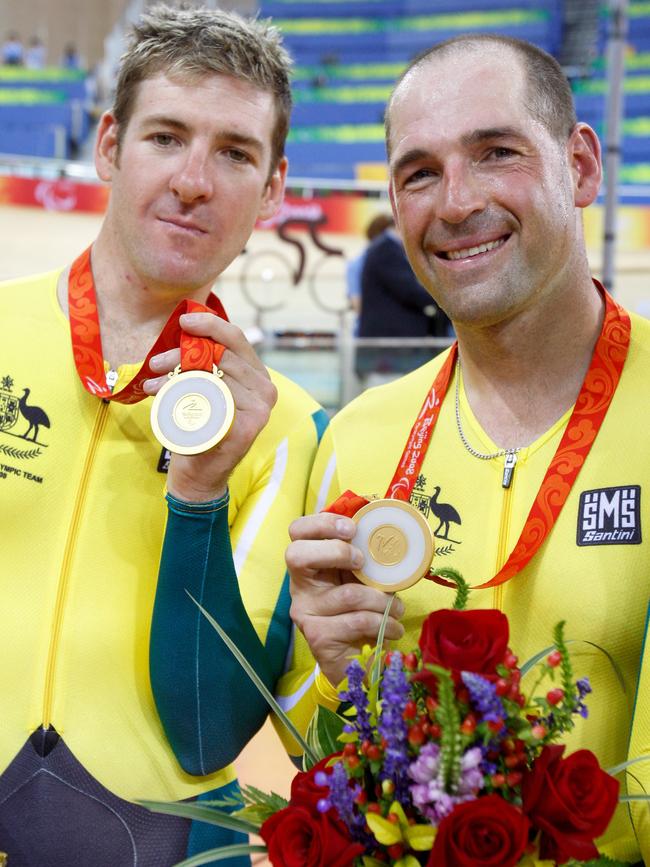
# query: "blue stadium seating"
[[42, 113], [398, 45], [391, 8], [333, 42]]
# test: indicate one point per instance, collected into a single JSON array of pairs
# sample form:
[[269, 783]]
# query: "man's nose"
[[193, 177], [460, 193]]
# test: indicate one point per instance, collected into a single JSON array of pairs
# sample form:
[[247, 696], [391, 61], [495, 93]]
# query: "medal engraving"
[[397, 544], [191, 411], [387, 545]]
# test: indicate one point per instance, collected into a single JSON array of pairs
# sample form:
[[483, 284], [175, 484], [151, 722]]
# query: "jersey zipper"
[[504, 535], [68, 553]]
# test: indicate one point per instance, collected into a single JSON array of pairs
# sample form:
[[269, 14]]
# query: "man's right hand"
[[335, 612]]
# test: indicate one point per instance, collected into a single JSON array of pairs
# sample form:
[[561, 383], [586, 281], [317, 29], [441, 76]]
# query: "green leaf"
[[530, 663], [601, 861], [254, 796], [250, 671], [618, 768], [257, 813], [323, 732], [462, 587], [624, 799], [195, 810], [234, 802], [220, 854], [448, 716], [534, 660], [376, 666]]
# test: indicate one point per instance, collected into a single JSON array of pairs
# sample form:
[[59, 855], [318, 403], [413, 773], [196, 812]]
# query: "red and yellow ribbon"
[[197, 353]]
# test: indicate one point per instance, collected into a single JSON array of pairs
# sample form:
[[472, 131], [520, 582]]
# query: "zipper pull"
[[111, 379], [508, 469]]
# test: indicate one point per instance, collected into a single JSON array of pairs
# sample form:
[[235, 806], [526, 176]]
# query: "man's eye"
[[502, 153], [238, 156], [419, 175], [163, 139]]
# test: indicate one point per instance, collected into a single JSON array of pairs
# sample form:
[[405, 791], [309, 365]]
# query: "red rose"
[[296, 838], [488, 831], [304, 791], [474, 641], [571, 801]]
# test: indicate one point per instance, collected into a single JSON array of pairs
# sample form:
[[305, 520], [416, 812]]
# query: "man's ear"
[[273, 195], [106, 146], [585, 163]]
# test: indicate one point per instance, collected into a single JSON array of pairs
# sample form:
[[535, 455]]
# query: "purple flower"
[[584, 688], [428, 793], [425, 767], [392, 726], [341, 794], [484, 698], [356, 695], [341, 797]]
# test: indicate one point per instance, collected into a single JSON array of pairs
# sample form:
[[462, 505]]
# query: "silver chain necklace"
[[510, 455]]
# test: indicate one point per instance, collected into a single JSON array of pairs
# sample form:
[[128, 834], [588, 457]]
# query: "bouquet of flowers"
[[438, 757]]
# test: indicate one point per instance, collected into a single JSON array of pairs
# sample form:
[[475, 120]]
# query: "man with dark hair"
[[522, 446], [95, 718]]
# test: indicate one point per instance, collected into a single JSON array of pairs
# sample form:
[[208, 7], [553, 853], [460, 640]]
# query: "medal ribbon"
[[197, 353], [594, 399]]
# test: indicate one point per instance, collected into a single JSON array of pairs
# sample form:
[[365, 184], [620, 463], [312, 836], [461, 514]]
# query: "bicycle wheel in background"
[[265, 279], [327, 284]]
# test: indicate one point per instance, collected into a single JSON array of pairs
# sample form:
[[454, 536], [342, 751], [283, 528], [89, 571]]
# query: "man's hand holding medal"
[[208, 415]]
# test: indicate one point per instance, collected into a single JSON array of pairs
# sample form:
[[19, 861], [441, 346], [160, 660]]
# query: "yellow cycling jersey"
[[593, 571], [83, 516], [639, 771]]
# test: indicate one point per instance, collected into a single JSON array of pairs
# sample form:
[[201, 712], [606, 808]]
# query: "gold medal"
[[397, 544], [193, 411]]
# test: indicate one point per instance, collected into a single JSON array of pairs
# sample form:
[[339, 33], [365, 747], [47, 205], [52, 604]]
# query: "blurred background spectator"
[[35, 54], [70, 58], [354, 266], [12, 50], [394, 304]]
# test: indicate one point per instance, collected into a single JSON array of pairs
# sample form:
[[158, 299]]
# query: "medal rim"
[[429, 546], [217, 437]]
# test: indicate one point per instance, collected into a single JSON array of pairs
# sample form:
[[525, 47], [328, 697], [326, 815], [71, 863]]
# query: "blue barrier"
[[70, 115], [34, 140]]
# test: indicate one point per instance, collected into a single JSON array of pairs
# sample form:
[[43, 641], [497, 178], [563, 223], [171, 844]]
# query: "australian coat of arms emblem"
[[19, 416]]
